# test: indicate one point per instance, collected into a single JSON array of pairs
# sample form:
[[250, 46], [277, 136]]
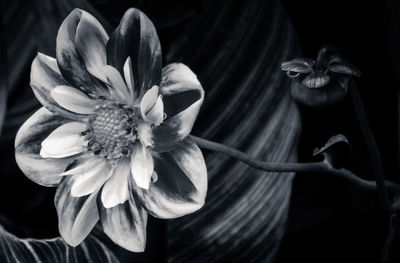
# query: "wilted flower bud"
[[336, 152], [320, 83]]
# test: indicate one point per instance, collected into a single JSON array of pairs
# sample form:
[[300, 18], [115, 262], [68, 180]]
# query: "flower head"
[[320, 83], [112, 132]]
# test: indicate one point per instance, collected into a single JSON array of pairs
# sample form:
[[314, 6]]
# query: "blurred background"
[[235, 47]]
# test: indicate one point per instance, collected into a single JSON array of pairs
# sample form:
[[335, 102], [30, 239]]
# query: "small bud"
[[336, 151]]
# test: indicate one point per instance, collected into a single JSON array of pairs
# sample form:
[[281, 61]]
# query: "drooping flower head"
[[320, 83], [112, 132]]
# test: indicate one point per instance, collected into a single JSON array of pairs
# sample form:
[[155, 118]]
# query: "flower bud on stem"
[[314, 167]]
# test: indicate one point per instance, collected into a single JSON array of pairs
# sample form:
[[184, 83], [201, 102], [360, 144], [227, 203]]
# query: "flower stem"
[[373, 149], [387, 247], [314, 167]]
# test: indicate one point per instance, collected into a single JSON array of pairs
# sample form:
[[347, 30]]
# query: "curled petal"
[[148, 100], [28, 144], [343, 67], [298, 65], [76, 215], [115, 190], [136, 37], [73, 100], [181, 186], [125, 224], [183, 96], [70, 61], [142, 166], [156, 114], [64, 141], [152, 106], [45, 76]]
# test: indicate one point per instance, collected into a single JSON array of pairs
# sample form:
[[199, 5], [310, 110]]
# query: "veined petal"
[[45, 76], [70, 61], [73, 100], [182, 183], [183, 96], [64, 141], [91, 177], [115, 190], [137, 38], [125, 224], [76, 215], [129, 78], [28, 144], [298, 65], [90, 41], [142, 166]]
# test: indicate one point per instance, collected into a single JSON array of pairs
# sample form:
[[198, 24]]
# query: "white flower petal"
[[125, 224], [148, 100], [64, 141], [142, 166], [73, 100], [115, 83], [129, 78], [74, 58], [115, 190], [90, 180], [182, 182], [76, 215], [83, 165], [183, 96], [90, 41], [156, 114], [27, 147], [144, 133]]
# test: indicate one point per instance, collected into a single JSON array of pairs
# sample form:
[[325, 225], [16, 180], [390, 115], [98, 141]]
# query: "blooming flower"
[[320, 83], [113, 130]]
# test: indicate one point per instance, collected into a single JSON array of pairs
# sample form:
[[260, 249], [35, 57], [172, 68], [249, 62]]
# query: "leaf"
[[93, 249], [336, 151]]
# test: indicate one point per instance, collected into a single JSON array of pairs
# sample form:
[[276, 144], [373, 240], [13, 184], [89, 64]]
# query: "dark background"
[[329, 220]]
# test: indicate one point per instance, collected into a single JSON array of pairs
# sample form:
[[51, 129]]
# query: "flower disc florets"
[[112, 130]]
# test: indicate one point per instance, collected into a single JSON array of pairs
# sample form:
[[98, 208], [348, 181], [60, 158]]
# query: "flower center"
[[112, 130]]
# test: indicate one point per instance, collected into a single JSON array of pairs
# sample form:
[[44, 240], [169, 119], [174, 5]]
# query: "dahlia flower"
[[113, 130]]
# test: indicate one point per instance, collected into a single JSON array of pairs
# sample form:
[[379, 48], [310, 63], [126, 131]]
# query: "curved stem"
[[316, 167], [373, 149], [387, 247]]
